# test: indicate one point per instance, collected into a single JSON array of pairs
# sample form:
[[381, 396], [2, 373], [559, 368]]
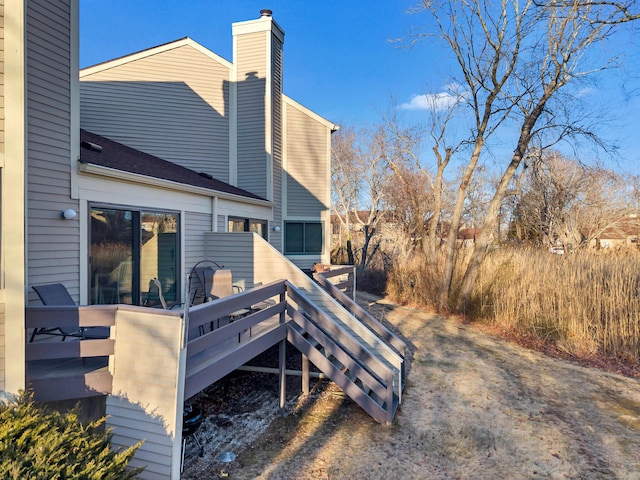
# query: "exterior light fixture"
[[276, 228], [68, 214]]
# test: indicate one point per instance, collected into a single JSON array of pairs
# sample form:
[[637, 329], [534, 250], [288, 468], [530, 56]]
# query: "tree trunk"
[[445, 293], [489, 227], [350, 260]]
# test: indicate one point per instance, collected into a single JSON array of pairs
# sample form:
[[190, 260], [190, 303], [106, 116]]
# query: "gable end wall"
[[173, 105]]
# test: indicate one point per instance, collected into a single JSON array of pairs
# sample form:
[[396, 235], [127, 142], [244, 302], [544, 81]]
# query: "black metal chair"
[[57, 294]]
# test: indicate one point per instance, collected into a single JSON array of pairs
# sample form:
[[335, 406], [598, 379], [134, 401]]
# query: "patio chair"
[[193, 292], [155, 296], [57, 294], [218, 283]]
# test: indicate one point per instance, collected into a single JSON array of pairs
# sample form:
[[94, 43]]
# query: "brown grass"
[[586, 303]]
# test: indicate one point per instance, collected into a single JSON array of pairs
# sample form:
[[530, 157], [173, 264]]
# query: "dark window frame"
[[304, 240], [136, 212], [247, 224]]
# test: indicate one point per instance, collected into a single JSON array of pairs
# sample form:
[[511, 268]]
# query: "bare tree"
[[407, 164], [345, 185], [515, 59], [565, 203], [360, 176]]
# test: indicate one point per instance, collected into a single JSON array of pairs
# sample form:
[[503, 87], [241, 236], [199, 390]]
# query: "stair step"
[[375, 398], [335, 362], [350, 374]]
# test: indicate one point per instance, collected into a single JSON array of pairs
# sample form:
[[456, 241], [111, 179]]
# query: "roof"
[[623, 228], [98, 150]]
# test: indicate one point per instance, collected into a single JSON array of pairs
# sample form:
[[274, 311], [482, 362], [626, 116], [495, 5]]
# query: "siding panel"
[[307, 164], [196, 225], [173, 105], [49, 156], [145, 401], [252, 71]]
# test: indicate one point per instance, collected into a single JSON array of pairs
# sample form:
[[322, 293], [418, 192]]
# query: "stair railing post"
[[282, 360], [389, 399], [305, 374], [353, 286], [282, 375], [283, 299]]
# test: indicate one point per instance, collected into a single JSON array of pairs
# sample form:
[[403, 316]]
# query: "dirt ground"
[[475, 407]]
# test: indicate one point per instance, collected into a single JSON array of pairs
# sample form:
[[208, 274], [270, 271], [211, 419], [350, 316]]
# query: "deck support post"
[[282, 374], [305, 374]]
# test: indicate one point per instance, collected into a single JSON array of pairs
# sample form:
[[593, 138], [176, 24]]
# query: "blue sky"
[[340, 59]]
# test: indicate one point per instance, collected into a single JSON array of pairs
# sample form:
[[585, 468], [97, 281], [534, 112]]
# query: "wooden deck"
[[217, 338]]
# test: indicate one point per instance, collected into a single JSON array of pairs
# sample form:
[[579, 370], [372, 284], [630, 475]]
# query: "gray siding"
[[173, 104], [276, 62], [222, 223], [146, 403], [53, 243], [195, 225], [236, 253], [307, 165], [252, 71]]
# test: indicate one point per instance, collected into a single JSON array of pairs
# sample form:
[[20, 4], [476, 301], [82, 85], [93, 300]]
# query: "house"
[[231, 120], [620, 234], [137, 171]]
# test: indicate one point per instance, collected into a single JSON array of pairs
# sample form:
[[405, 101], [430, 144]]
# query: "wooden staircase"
[[354, 350], [356, 370]]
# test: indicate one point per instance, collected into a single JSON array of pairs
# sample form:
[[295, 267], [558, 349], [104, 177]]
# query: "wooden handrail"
[[203, 314], [69, 316], [374, 373], [363, 316]]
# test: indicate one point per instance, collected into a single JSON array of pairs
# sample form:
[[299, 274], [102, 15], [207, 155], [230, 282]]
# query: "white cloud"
[[585, 91], [435, 101]]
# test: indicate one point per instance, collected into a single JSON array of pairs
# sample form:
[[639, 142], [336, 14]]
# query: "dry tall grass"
[[587, 302], [415, 280]]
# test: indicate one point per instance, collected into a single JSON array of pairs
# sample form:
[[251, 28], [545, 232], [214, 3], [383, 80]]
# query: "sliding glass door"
[[129, 251]]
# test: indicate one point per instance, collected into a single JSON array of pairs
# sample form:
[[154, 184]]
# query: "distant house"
[[120, 183], [468, 236], [621, 234]]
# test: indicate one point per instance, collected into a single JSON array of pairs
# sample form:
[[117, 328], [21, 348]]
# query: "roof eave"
[[113, 173]]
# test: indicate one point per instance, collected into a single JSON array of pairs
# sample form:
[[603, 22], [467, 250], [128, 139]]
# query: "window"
[[129, 248], [237, 224], [303, 237]]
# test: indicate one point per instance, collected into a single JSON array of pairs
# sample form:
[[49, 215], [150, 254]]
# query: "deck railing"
[[73, 368], [335, 290], [357, 370], [221, 336], [342, 277], [225, 333]]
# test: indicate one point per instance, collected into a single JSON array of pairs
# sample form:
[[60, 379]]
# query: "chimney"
[[255, 105]]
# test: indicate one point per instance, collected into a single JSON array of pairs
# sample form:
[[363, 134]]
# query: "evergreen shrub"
[[36, 443]]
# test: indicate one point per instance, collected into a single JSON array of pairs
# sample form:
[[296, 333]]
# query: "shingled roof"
[[99, 150]]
